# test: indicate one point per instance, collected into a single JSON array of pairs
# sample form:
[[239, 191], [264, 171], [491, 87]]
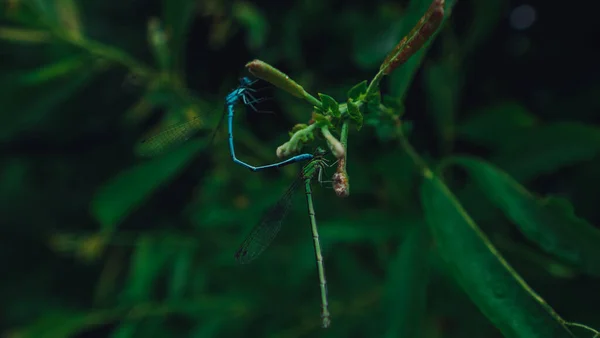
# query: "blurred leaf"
[[406, 290], [182, 265], [546, 149], [125, 330], [57, 324], [499, 292], [48, 96], [486, 16], [250, 16], [177, 17], [126, 191], [68, 16], [209, 328], [383, 31], [64, 67], [443, 85], [550, 223], [147, 264], [157, 39], [24, 35], [492, 126]]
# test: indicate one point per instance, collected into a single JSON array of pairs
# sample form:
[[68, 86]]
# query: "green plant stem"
[[374, 85], [408, 148], [313, 100], [595, 332], [344, 140]]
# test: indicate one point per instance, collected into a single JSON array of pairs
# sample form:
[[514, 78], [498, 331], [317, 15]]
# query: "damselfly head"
[[246, 82], [320, 152]]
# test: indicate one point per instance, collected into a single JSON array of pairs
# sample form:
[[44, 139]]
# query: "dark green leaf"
[[48, 94], [443, 85], [125, 330], [126, 191], [322, 120], [373, 101], [486, 17], [499, 292], [182, 266], [355, 114], [543, 150], [359, 89], [330, 105], [177, 17], [147, 264], [58, 324], [550, 223], [492, 126], [157, 39], [406, 289], [251, 17]]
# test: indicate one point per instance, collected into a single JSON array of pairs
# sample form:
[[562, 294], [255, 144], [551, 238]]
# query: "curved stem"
[[417, 159]]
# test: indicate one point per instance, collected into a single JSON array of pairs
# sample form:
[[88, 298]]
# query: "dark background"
[[70, 118]]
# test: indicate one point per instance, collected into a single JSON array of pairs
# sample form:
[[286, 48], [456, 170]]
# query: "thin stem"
[[596, 333], [374, 85], [344, 140], [325, 315], [417, 159], [313, 100]]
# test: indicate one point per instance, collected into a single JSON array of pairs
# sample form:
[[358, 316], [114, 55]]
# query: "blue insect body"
[[243, 92], [160, 142]]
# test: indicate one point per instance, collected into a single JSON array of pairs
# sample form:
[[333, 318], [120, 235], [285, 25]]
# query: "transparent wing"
[[177, 134], [267, 228]]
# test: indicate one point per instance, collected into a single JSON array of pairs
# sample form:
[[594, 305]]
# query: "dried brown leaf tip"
[[341, 184], [417, 37]]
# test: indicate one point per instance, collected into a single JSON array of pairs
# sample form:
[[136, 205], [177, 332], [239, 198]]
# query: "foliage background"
[[156, 260]]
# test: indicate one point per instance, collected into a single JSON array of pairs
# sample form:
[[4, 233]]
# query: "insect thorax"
[[313, 168]]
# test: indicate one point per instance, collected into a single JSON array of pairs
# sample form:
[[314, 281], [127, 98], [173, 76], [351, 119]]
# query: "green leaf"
[[355, 114], [180, 274], [357, 91], [255, 22], [499, 292], [322, 120], [69, 18], [546, 149], [330, 105], [147, 264], [388, 25], [177, 18], [65, 67], [443, 85], [126, 191], [493, 125], [157, 39], [373, 101], [57, 324], [20, 112], [406, 288], [486, 17], [125, 330], [550, 223]]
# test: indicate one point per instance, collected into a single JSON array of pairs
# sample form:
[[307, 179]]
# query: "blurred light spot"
[[522, 17]]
